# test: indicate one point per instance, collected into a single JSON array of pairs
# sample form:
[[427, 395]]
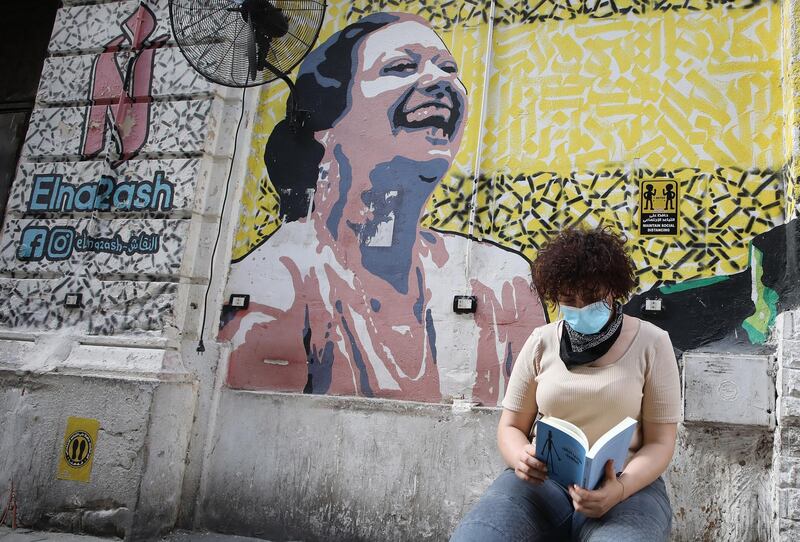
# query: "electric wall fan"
[[244, 43]]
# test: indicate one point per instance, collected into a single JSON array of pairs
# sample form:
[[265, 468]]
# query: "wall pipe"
[[479, 154]]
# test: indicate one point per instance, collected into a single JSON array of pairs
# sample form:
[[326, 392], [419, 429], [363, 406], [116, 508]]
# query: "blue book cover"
[[565, 450]]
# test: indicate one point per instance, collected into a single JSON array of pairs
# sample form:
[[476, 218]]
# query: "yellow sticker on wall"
[[77, 453], [658, 207]]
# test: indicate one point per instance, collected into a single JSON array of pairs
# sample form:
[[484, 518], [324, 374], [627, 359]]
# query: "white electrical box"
[[728, 388], [652, 304], [465, 304]]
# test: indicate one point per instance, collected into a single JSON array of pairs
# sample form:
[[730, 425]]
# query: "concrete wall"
[[333, 469], [138, 468], [76, 191], [787, 445], [556, 115], [118, 198]]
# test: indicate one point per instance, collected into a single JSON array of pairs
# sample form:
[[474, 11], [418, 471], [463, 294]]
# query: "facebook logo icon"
[[34, 239]]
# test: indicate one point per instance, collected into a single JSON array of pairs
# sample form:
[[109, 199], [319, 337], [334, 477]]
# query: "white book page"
[[573, 430], [610, 434]]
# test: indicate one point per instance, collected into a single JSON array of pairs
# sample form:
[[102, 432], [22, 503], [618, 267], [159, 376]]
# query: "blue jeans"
[[512, 510]]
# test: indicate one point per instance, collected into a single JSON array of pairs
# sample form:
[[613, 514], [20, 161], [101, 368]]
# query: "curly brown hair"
[[587, 263]]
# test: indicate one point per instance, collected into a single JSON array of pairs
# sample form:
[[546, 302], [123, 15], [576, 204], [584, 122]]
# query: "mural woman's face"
[[406, 97]]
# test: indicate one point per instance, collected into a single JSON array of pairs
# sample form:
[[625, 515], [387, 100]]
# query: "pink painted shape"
[[272, 355], [512, 318], [111, 104]]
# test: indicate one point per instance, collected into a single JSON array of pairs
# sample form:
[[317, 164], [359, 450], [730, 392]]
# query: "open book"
[[565, 450]]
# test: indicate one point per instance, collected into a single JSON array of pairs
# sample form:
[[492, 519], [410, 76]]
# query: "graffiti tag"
[[51, 193], [59, 243], [122, 100]]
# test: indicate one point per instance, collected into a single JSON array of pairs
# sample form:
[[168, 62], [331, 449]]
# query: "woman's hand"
[[529, 468], [594, 504]]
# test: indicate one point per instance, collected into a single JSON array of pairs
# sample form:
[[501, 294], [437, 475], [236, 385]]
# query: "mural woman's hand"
[[506, 319], [594, 504], [529, 468]]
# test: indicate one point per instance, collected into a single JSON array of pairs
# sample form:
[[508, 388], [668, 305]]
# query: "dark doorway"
[[25, 29]]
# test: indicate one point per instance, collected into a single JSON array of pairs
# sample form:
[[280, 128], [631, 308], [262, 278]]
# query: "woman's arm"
[[647, 464], [516, 449], [652, 459]]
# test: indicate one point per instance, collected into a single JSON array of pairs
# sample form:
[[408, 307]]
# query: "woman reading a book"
[[593, 368]]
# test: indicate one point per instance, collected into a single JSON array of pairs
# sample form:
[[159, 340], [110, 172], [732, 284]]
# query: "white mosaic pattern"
[[128, 293], [178, 129], [87, 29], [133, 307], [163, 265], [107, 307], [51, 248], [66, 80], [37, 305]]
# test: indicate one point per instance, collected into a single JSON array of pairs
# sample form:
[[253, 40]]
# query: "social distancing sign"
[[77, 453], [658, 207]]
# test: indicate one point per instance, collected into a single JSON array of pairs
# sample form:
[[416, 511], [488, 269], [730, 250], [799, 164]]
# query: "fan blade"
[[242, 42]]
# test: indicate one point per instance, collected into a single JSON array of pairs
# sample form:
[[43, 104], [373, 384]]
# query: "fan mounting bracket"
[[296, 117]]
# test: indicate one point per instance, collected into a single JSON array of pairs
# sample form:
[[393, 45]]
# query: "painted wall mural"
[[347, 296], [114, 166], [429, 173], [116, 122]]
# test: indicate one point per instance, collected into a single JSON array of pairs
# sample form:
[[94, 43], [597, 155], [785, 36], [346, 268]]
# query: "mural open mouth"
[[443, 115]]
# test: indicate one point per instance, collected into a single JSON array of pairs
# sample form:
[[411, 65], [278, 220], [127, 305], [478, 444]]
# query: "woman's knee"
[[646, 515], [514, 510], [626, 527]]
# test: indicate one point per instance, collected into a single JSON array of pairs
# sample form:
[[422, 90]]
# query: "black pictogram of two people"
[[668, 193]]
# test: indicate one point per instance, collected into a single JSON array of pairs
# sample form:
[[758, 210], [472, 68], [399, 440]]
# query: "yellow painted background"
[[579, 111]]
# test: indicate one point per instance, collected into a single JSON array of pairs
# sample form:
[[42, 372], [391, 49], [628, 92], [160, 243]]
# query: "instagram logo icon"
[[59, 243]]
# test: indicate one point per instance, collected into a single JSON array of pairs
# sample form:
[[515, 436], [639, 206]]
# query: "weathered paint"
[[354, 469], [137, 468], [577, 114], [387, 144], [582, 103]]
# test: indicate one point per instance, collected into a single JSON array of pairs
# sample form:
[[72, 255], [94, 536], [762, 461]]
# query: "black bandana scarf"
[[580, 349]]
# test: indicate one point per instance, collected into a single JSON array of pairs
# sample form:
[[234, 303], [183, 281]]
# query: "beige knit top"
[[643, 383]]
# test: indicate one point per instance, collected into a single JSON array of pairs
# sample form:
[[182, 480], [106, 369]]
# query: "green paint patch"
[[758, 324], [690, 285]]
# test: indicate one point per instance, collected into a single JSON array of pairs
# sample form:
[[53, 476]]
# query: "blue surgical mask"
[[589, 319]]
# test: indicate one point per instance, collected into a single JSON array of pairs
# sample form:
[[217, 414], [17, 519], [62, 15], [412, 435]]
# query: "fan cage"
[[217, 41]]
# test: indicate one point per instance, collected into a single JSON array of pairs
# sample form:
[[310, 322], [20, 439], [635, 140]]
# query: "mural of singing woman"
[[351, 296]]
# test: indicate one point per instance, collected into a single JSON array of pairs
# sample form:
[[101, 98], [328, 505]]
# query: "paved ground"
[[184, 536], [26, 535]]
